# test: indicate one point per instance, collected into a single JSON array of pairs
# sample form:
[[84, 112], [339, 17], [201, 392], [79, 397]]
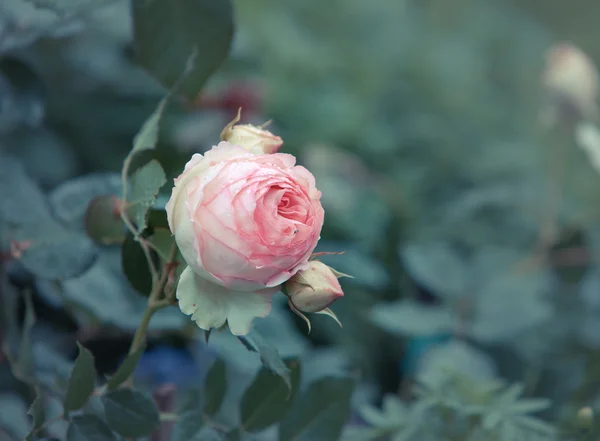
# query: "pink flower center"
[[292, 206]]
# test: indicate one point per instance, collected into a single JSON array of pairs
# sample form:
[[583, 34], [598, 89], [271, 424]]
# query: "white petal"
[[186, 242], [210, 305]]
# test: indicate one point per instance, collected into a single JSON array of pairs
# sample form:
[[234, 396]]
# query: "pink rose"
[[244, 223]]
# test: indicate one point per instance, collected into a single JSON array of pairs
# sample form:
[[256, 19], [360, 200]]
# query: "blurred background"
[[456, 147]]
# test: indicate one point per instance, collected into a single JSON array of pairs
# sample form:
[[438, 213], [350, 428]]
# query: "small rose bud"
[[571, 78], [314, 289], [253, 138], [585, 417]]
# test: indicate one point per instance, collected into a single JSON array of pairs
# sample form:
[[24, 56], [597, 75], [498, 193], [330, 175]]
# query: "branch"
[[155, 302]]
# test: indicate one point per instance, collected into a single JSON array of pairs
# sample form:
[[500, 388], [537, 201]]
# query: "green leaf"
[[536, 425], [162, 241], [135, 265], [89, 427], [188, 426], [215, 387], [105, 294], [71, 199], [409, 318], [437, 266], [37, 410], [520, 296], [234, 435], [320, 413], [531, 405], [510, 432], [191, 399], [24, 88], [144, 186], [166, 34], [188, 429], [25, 366], [13, 417], [191, 427], [364, 434], [103, 221], [130, 413], [268, 399], [9, 317], [210, 434], [147, 137], [55, 425], [81, 382], [392, 415], [126, 369], [47, 248], [269, 355], [457, 356], [58, 254]]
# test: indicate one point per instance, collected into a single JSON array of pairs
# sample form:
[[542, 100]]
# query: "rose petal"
[[211, 305], [196, 159], [281, 160], [234, 270], [225, 151], [307, 180]]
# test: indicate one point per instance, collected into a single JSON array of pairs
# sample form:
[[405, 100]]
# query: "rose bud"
[[571, 79], [314, 289], [244, 223], [254, 139]]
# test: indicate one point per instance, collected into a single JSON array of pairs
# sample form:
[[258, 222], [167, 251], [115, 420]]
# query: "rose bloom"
[[244, 224]]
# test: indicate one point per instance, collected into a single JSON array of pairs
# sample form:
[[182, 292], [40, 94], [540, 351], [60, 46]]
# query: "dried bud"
[[571, 78], [253, 138], [314, 289]]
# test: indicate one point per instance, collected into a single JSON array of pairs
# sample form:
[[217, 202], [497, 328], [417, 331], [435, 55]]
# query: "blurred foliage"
[[471, 227]]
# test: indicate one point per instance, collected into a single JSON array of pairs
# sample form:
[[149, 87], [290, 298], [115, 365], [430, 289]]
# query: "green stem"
[[139, 337], [155, 303]]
